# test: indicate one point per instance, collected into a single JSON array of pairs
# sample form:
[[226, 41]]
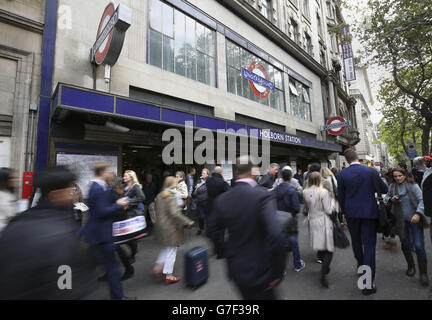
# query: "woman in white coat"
[[319, 206]]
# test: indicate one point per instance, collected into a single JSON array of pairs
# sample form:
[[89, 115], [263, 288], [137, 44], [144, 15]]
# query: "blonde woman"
[[133, 190], [170, 223], [330, 184], [182, 188], [320, 205]]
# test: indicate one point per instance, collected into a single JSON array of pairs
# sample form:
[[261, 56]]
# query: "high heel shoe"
[[172, 280]]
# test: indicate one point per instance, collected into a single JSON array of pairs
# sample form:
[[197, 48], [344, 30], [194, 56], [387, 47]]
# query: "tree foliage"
[[397, 35], [400, 123]]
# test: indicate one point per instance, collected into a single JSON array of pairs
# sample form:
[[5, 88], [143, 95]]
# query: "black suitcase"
[[196, 270]]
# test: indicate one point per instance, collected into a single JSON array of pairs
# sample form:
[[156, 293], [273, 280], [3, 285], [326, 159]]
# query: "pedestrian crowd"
[[251, 221]]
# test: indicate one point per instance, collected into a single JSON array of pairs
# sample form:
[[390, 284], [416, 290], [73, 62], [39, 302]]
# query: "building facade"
[[273, 66], [22, 25]]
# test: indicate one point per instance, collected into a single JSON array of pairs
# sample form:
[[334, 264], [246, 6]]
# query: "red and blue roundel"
[[102, 51], [258, 80]]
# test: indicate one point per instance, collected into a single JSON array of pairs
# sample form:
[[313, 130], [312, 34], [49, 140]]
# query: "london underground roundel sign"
[[336, 125], [102, 51], [258, 80], [111, 34]]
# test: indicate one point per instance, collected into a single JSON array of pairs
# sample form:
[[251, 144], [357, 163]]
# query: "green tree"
[[397, 35], [400, 123]]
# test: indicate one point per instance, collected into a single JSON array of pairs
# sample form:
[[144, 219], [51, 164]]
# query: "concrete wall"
[[20, 69], [72, 64]]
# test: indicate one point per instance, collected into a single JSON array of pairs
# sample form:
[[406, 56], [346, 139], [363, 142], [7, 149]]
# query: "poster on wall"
[[82, 165]]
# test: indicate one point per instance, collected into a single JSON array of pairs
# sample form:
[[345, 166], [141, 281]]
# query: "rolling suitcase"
[[196, 267]]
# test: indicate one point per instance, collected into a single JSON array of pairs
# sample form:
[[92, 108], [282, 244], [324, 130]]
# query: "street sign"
[[336, 125]]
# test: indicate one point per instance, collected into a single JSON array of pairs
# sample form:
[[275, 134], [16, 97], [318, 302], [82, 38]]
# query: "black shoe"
[[129, 298], [368, 292], [324, 282], [198, 233], [104, 277], [129, 272]]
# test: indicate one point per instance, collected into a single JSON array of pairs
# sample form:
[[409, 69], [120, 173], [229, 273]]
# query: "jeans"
[[292, 243], [414, 237]]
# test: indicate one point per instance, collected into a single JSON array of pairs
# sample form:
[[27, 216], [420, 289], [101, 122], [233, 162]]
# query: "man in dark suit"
[[216, 185], [98, 230], [255, 246], [41, 256], [269, 178], [357, 199]]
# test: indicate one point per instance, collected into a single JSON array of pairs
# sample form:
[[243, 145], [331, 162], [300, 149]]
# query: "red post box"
[[27, 189]]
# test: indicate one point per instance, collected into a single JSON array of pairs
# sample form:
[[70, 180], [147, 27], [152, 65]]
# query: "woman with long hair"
[[8, 207], [133, 190], [320, 205], [406, 201], [170, 224]]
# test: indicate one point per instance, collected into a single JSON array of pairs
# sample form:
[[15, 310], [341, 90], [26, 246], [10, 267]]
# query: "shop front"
[[88, 126]]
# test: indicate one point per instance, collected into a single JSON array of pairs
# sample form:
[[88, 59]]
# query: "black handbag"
[[384, 211], [339, 237]]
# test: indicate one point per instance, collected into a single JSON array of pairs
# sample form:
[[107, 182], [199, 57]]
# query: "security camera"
[[116, 127]]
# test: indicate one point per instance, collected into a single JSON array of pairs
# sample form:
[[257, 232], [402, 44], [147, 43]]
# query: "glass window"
[[265, 8], [168, 54], [293, 31], [155, 48], [305, 9], [239, 58], [300, 103], [168, 21], [156, 15], [180, 44]]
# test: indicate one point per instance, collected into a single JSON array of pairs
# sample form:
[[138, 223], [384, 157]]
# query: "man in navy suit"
[[255, 247], [357, 199], [98, 230]]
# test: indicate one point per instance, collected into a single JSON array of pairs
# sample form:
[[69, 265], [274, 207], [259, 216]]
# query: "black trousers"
[[326, 257], [124, 257], [257, 294]]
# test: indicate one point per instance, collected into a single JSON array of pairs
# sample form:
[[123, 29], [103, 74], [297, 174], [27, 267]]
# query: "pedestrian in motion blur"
[[288, 201], [406, 201], [201, 196], [320, 205], [269, 178], [170, 224], [356, 192], [37, 242], [216, 185], [136, 198], [255, 247], [8, 209], [98, 230]]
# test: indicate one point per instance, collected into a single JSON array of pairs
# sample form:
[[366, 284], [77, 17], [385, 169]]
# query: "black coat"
[[427, 196], [136, 197], [216, 185], [255, 246], [267, 181], [33, 247], [150, 191]]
